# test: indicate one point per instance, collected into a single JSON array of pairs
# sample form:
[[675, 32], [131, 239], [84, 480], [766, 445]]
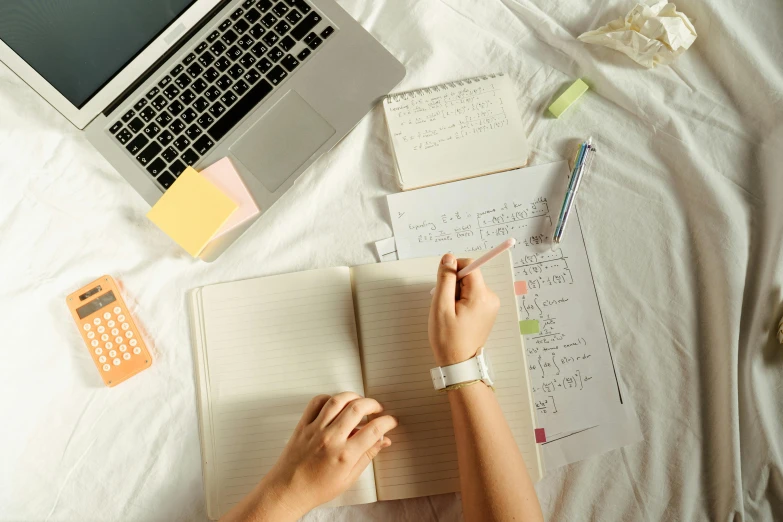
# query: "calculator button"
[[90, 335], [125, 326], [126, 356], [114, 331], [116, 362], [106, 367], [117, 309], [112, 353], [105, 337], [121, 318], [109, 346], [86, 326], [137, 350], [102, 359], [123, 348], [110, 324], [118, 339], [94, 342], [97, 321], [128, 334], [107, 315], [101, 329], [133, 342], [98, 351]]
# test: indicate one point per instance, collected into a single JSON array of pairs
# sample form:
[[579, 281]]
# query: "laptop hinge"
[[185, 38]]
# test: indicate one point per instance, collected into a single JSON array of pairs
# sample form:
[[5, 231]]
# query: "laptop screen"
[[80, 45]]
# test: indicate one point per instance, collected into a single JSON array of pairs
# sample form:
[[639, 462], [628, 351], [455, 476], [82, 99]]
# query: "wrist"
[[447, 357], [282, 499]]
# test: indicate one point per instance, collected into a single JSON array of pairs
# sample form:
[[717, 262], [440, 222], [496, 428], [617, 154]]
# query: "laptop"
[[158, 85]]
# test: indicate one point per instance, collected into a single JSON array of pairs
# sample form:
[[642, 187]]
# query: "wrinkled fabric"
[[682, 217]]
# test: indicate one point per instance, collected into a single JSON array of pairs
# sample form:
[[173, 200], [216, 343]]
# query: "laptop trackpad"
[[282, 140]]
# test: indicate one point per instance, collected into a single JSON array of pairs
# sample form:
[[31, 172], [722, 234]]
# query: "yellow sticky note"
[[191, 211], [564, 101]]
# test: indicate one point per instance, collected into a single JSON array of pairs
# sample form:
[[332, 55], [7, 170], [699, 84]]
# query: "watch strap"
[[464, 371]]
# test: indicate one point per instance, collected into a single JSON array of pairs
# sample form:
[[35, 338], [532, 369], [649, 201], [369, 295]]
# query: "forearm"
[[494, 480], [267, 502]]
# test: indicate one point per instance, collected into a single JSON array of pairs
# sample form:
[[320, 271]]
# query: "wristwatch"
[[476, 368]]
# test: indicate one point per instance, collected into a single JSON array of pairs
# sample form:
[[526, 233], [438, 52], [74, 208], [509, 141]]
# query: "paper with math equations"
[[652, 33], [191, 211], [225, 177], [572, 373]]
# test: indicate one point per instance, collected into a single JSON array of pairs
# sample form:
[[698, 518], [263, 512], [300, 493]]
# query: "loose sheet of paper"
[[392, 303], [271, 345], [571, 369]]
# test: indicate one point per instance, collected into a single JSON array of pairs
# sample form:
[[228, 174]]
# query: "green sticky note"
[[577, 89], [528, 327]]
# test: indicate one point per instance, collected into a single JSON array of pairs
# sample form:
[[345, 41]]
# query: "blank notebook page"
[[271, 345], [393, 301]]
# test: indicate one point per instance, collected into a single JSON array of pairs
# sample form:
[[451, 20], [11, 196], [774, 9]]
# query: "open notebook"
[[264, 347], [455, 130]]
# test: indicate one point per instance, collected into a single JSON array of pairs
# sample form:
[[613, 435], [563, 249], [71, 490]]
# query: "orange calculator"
[[109, 331]]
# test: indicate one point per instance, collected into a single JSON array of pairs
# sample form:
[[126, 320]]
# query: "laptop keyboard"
[[217, 84]]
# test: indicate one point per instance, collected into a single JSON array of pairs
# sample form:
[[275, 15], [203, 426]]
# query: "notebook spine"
[[409, 95]]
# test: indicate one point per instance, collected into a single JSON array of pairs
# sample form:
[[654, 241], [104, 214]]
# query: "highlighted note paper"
[[564, 101], [528, 327], [191, 211], [520, 287], [540, 435]]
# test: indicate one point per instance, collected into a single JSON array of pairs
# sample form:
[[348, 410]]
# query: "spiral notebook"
[[264, 347], [456, 130]]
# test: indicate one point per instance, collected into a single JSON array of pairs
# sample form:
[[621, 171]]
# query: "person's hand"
[[461, 314], [326, 454]]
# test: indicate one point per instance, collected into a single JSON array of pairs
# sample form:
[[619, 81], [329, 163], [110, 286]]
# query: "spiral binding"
[[409, 95]]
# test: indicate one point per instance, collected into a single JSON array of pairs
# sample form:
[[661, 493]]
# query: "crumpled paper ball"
[[653, 33]]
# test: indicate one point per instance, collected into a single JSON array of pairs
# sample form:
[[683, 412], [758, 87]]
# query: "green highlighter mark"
[[528, 327]]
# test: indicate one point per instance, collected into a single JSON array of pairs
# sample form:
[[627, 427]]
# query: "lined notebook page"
[[393, 302], [269, 346]]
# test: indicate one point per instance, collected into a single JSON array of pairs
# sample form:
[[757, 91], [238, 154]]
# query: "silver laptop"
[[158, 85]]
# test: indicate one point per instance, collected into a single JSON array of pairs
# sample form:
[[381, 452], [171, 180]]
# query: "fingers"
[[446, 287], [312, 410], [352, 415], [333, 407], [370, 434], [366, 457], [472, 285]]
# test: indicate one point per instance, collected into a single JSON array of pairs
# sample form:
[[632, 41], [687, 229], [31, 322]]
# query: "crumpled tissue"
[[652, 33]]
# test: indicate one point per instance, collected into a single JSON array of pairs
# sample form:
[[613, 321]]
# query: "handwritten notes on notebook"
[[456, 130], [392, 304], [571, 369], [274, 343]]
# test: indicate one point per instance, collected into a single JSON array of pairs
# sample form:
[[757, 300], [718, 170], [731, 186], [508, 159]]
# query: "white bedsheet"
[[683, 218]]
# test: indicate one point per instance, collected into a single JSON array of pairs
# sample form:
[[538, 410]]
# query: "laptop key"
[[264, 65], [234, 53], [200, 48], [177, 126], [140, 104], [224, 82], [206, 59], [280, 9], [326, 33], [164, 82], [245, 42], [156, 167], [171, 92], [228, 98], [240, 87], [135, 125], [287, 43], [236, 14], [182, 143], [183, 80], [210, 74], [205, 120], [175, 108], [257, 31], [264, 5], [169, 154], [159, 103], [293, 17], [225, 25], [187, 97], [218, 48], [213, 36], [289, 62], [189, 59], [241, 26], [306, 25], [199, 86], [163, 119], [177, 70], [300, 4], [269, 20], [252, 76], [164, 138], [216, 110], [153, 92], [148, 153], [189, 157], [314, 42], [203, 144], [236, 71], [276, 75], [247, 60], [229, 37], [304, 54], [200, 104], [152, 130], [248, 3], [222, 64], [232, 117], [123, 136], [128, 115], [193, 132], [189, 115], [212, 94], [258, 49], [136, 144], [252, 16], [166, 179], [282, 27], [270, 39], [114, 128], [176, 167], [275, 54], [194, 70]]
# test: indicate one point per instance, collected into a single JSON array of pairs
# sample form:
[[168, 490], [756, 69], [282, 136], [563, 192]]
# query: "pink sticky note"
[[540, 435], [225, 177], [520, 287]]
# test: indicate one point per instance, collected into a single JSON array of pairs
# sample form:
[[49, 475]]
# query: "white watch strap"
[[465, 371]]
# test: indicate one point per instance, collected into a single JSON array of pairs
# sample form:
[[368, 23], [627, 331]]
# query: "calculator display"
[[96, 305]]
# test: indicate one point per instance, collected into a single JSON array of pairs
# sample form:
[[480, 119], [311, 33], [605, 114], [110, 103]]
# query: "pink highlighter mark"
[[520, 287], [540, 435]]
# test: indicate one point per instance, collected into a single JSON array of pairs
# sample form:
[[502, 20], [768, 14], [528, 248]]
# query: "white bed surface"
[[682, 216]]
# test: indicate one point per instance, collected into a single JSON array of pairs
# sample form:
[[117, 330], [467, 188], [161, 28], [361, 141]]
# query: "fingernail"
[[448, 260]]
